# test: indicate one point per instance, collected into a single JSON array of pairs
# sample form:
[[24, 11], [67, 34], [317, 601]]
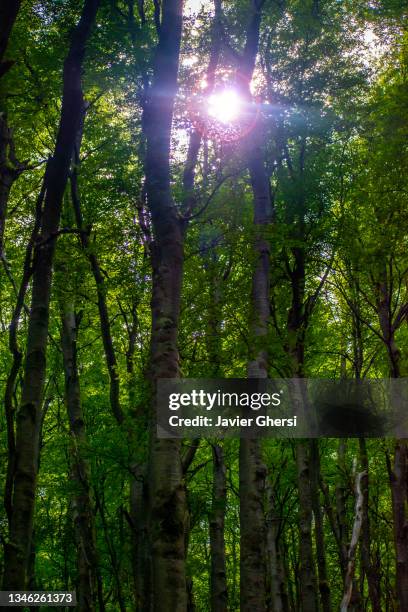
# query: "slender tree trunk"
[[368, 569], [347, 601], [307, 573], [115, 562], [341, 519], [398, 481], [384, 309], [274, 572], [219, 594], [341, 512], [138, 503], [81, 502], [372, 572], [166, 494], [214, 317], [296, 324], [17, 353], [324, 587], [29, 416], [140, 558], [106, 332], [10, 169]]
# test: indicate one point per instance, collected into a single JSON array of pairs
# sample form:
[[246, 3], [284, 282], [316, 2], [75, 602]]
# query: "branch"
[[219, 184], [189, 455], [60, 232]]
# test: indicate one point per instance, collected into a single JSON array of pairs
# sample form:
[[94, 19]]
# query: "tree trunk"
[[342, 523], [16, 352], [140, 559], [384, 309], [297, 324], [274, 572], [6, 181], [324, 586], [138, 504], [81, 502], [252, 476], [399, 474], [29, 416], [398, 481], [166, 494], [219, 595], [214, 318], [115, 562], [307, 574], [8, 14], [351, 555], [341, 512], [251, 468], [10, 170], [106, 332], [372, 572]]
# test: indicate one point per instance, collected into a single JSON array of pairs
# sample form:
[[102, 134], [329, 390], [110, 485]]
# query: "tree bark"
[[275, 583], [398, 481], [10, 170], [324, 586], [251, 468], [166, 494], [372, 572], [341, 512], [399, 474], [307, 573], [29, 415], [219, 594], [15, 350], [297, 324], [351, 555], [8, 14], [140, 558], [384, 311], [252, 474]]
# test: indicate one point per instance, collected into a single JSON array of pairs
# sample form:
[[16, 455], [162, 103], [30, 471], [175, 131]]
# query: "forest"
[[214, 189]]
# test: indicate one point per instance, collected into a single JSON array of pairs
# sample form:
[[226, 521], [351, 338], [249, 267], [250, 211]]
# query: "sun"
[[224, 106]]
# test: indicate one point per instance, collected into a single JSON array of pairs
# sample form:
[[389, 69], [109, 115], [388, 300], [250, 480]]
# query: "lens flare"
[[224, 106]]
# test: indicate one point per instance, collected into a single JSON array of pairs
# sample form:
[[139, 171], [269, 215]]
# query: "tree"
[[29, 417]]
